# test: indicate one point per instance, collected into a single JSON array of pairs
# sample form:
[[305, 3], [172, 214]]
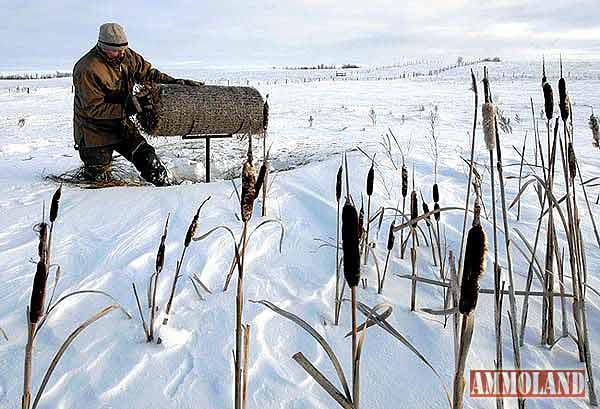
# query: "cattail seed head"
[[436, 193], [489, 125], [191, 232], [43, 242], [54, 204], [572, 161], [414, 209], [563, 100], [338, 185], [370, 180], [266, 114], [361, 220], [160, 254], [595, 127], [391, 238], [350, 244], [248, 190], [436, 215], [404, 181], [548, 100], [160, 257], [262, 173], [38, 292], [426, 209], [474, 266]]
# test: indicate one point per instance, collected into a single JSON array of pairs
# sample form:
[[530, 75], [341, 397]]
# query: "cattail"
[[436, 193], [489, 125], [266, 113], [414, 209], [437, 214], [261, 177], [391, 238], [38, 292], [404, 181], [361, 220], [426, 209], [192, 229], [248, 190], [43, 242], [595, 127], [563, 100], [350, 244], [548, 100], [160, 254], [55, 203], [572, 160], [370, 180], [338, 185], [473, 268]]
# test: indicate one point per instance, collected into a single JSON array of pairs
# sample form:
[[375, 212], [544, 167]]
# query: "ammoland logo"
[[527, 383]]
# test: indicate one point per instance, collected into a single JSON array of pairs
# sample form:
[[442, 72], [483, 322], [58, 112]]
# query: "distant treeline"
[[35, 76], [320, 67]]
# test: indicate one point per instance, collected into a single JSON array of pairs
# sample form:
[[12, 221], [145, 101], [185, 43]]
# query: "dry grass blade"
[[54, 286], [64, 347], [370, 321], [312, 332], [137, 299], [197, 280], [322, 381], [267, 222], [196, 289], [74, 293], [368, 312], [424, 216]]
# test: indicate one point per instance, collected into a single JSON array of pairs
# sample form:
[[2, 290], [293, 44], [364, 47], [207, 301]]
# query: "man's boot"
[[149, 165]]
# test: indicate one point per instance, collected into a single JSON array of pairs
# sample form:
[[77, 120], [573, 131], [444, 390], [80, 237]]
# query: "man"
[[103, 82]]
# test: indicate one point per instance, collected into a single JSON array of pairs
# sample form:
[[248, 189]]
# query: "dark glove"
[[188, 82], [132, 106]]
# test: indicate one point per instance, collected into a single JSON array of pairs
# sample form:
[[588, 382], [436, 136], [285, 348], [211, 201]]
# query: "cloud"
[[298, 31]]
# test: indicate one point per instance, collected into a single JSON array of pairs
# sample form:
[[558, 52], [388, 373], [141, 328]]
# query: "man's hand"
[[189, 82]]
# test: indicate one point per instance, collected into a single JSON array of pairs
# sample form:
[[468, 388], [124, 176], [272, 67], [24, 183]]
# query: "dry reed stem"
[[338, 196], [355, 357], [466, 335], [370, 183], [404, 194], [521, 175], [239, 311], [246, 367], [511, 287], [469, 182], [490, 130], [160, 262]]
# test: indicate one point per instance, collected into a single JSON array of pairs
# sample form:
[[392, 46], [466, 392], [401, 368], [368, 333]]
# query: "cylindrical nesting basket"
[[179, 110]]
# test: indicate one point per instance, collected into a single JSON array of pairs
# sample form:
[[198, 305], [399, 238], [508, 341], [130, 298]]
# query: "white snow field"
[[107, 239]]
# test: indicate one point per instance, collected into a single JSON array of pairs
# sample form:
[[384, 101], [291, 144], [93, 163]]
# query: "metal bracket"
[[207, 139]]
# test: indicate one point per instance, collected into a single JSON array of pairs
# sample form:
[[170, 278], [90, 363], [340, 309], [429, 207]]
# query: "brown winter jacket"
[[101, 88]]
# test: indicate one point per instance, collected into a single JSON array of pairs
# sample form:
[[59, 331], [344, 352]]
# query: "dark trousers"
[[97, 160]]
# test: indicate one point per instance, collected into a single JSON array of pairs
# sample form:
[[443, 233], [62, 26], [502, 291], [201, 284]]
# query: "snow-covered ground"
[[106, 239]]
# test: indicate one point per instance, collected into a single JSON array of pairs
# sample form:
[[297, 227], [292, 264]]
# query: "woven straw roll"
[[176, 110]]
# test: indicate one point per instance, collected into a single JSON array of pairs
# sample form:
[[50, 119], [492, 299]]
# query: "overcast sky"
[[42, 34]]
